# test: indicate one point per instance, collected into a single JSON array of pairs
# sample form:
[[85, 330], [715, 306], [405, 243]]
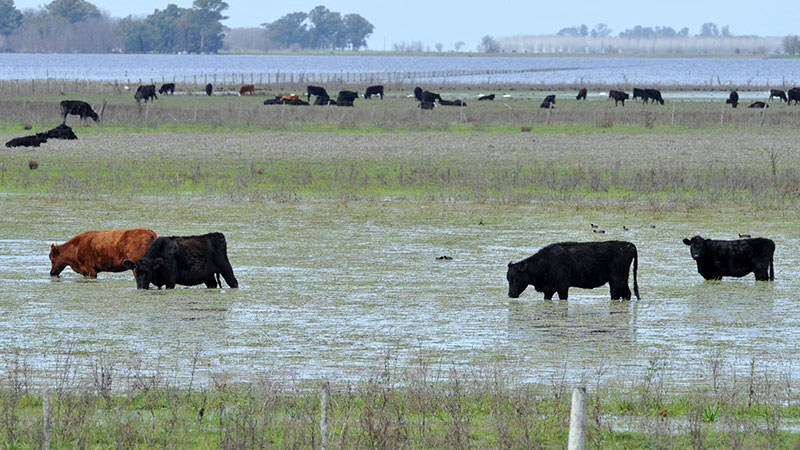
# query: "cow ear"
[[158, 262], [510, 263], [54, 249], [128, 264], [687, 242]]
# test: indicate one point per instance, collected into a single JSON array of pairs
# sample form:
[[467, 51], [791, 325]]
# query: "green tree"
[[208, 31], [326, 28], [489, 45], [73, 10], [10, 17], [161, 30], [357, 30], [289, 30]]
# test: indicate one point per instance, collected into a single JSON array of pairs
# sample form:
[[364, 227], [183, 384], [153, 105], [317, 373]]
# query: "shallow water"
[[330, 289]]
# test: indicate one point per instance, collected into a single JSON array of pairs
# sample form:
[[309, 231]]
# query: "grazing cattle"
[[61, 132], [618, 96], [639, 93], [209, 89], [550, 98], [346, 98], [145, 92], [486, 97], [374, 90], [316, 90], [426, 105], [654, 95], [322, 101], [428, 96], [733, 99], [546, 104], [28, 141], [184, 260], [758, 104], [456, 102], [793, 94], [245, 88], [100, 251], [716, 259], [77, 108], [581, 94], [587, 265], [777, 93], [167, 88]]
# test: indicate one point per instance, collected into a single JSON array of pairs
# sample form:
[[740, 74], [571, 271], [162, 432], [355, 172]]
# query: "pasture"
[[334, 224]]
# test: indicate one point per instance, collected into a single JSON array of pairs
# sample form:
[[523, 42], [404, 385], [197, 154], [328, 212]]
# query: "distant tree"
[[201, 28], [357, 30], [581, 30], [160, 31], [288, 30], [709, 29], [326, 29], [600, 30], [73, 10], [791, 44], [10, 17], [457, 46], [726, 32], [684, 32], [488, 45], [439, 46], [413, 47]]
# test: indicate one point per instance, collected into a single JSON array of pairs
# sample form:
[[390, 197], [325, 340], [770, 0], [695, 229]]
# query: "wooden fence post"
[[323, 419], [577, 419], [46, 415]]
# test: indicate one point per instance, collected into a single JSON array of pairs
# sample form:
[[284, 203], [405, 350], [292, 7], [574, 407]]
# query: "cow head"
[[144, 270], [517, 278], [58, 263], [697, 246]]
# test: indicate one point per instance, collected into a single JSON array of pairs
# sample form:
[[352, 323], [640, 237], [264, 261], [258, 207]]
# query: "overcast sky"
[[448, 22]]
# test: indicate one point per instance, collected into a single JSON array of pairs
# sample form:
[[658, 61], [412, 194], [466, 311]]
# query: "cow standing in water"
[[557, 267], [100, 251], [716, 259]]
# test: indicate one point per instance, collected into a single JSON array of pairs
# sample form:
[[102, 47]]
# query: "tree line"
[[708, 29], [320, 29]]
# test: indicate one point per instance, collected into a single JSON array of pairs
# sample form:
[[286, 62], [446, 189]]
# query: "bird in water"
[[744, 236]]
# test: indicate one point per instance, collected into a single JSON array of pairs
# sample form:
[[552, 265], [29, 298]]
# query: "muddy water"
[[329, 290]]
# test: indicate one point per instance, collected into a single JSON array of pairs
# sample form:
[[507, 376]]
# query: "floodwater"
[[712, 72], [330, 290]]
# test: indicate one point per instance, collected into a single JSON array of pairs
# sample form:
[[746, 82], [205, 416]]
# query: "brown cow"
[[245, 88], [100, 251]]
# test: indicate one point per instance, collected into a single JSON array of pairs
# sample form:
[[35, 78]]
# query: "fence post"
[[323, 420], [577, 419], [46, 415]]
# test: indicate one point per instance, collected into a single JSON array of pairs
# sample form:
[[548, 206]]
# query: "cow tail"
[[635, 269], [219, 283], [771, 271]]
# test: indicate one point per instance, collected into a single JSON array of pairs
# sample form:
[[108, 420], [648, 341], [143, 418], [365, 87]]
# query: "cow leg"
[[761, 274], [548, 295], [227, 272], [562, 293], [211, 282]]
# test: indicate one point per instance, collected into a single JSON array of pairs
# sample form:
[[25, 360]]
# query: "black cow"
[[28, 141], [167, 88], [209, 89], [639, 93], [758, 104], [295, 102], [618, 96], [456, 102], [733, 99], [428, 96], [587, 265], [581, 94], [654, 95], [273, 101], [548, 102], [61, 132], [426, 105], [374, 90], [184, 260], [145, 92], [717, 259], [777, 93], [346, 98], [486, 97], [793, 94], [322, 101], [418, 93], [316, 90], [78, 108]]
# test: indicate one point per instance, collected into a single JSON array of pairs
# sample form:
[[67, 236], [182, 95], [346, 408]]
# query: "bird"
[[594, 226], [626, 228], [744, 236], [444, 258], [599, 231]]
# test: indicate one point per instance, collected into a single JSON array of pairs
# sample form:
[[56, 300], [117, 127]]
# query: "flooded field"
[[330, 289]]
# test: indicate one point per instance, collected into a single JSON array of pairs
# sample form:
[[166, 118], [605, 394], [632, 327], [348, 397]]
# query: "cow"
[[426, 105], [273, 101], [654, 95], [167, 88], [777, 93], [245, 88], [61, 132], [639, 93], [486, 97], [184, 260], [418, 93], [77, 108], [548, 102], [145, 92], [581, 94], [733, 99], [793, 94], [456, 102], [209, 89], [428, 96], [322, 101], [758, 104], [374, 90], [28, 141], [295, 102], [100, 251], [346, 98], [716, 259], [618, 96], [557, 267], [319, 91]]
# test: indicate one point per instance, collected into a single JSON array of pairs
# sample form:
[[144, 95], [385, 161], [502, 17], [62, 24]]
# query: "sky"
[[448, 22]]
